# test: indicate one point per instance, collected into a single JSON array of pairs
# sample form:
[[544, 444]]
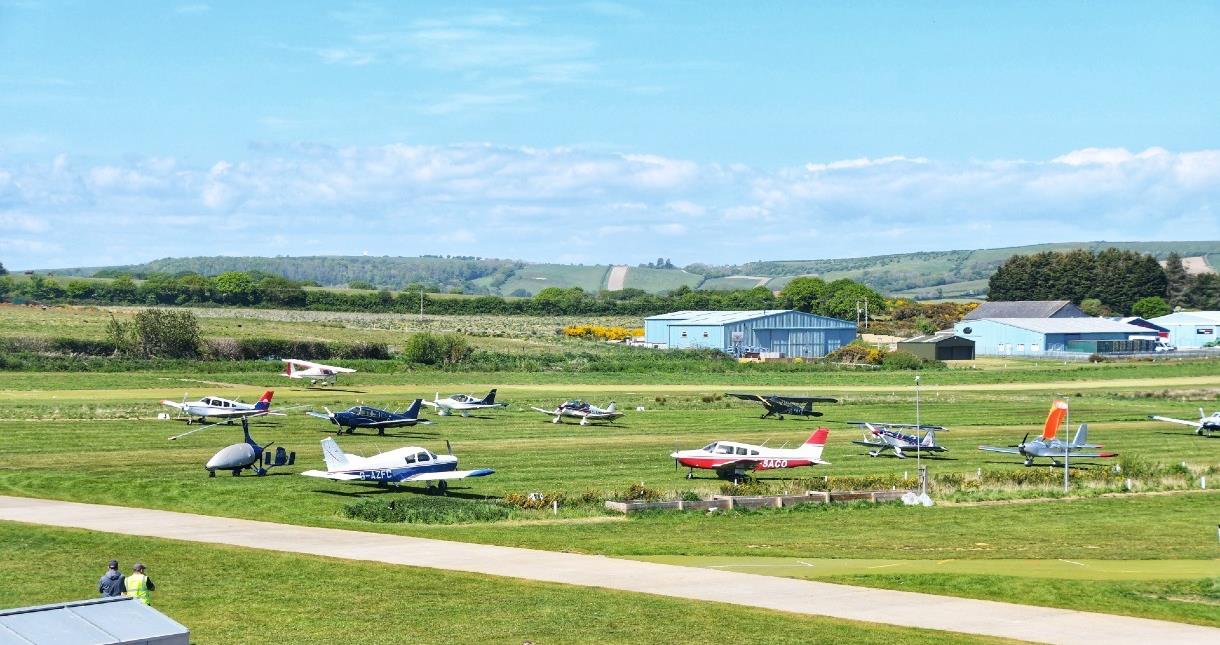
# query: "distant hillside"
[[935, 274]]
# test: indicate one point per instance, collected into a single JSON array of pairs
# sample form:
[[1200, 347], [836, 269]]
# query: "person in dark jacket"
[[112, 583]]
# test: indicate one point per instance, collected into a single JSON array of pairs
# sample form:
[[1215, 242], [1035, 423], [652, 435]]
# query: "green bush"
[[437, 349], [902, 361]]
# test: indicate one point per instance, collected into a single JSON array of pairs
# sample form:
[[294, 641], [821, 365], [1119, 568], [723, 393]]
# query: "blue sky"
[[601, 131]]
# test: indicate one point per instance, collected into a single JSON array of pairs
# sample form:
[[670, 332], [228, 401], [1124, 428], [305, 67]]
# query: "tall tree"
[[3, 271], [1177, 280], [1205, 292], [806, 293]]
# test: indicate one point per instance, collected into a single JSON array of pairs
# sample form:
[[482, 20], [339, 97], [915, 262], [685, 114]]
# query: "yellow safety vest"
[[137, 587]]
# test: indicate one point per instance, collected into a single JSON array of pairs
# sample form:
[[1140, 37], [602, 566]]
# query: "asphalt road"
[[1037, 624]]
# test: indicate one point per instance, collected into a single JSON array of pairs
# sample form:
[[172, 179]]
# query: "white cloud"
[[503, 201]]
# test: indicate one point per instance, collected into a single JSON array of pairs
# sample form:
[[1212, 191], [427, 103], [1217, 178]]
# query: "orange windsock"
[[1054, 419]]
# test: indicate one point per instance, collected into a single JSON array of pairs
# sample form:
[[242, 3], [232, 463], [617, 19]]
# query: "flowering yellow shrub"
[[602, 332]]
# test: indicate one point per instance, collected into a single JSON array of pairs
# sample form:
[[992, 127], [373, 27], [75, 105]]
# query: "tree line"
[[1111, 281], [838, 299]]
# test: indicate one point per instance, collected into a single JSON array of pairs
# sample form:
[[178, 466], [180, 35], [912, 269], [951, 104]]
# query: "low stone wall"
[[729, 502]]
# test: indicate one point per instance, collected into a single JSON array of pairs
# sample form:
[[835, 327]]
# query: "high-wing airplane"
[[364, 416], [399, 466], [463, 403], [582, 410], [1048, 446], [779, 405], [248, 454], [1206, 426], [731, 460], [889, 436], [217, 408], [315, 372]]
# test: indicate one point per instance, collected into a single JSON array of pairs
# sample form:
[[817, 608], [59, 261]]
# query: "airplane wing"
[[1096, 455], [598, 416], [434, 404], [908, 426], [300, 363], [319, 415], [343, 477], [1185, 422], [173, 404], [393, 422], [451, 474], [870, 444], [805, 399], [1010, 451], [745, 396], [550, 413]]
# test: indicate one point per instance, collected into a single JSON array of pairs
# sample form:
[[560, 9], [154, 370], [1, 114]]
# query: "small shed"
[[99, 621], [941, 346]]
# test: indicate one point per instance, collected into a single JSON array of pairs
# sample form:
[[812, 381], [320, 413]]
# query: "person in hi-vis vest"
[[139, 585]]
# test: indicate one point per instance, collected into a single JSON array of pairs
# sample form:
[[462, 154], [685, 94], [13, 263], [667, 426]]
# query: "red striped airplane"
[[731, 460]]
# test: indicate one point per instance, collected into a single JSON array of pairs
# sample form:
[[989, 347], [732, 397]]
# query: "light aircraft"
[[399, 466], [731, 460], [1205, 427], [463, 403], [1048, 446], [218, 408], [582, 410], [363, 416], [248, 454], [778, 405], [315, 372], [888, 436]]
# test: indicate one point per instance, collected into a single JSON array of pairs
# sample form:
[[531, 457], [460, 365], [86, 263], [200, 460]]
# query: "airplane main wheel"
[[260, 471], [237, 472], [211, 473], [442, 486], [781, 417], [690, 475], [380, 432]]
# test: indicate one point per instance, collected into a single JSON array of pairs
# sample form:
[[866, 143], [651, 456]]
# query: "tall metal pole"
[[421, 303], [1067, 445], [923, 485]]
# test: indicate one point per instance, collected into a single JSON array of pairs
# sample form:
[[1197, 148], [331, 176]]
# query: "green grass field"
[[536, 277], [231, 595], [93, 437], [659, 280]]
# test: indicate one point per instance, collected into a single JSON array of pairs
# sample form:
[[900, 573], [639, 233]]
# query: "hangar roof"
[[1025, 309], [1188, 318], [1068, 325], [717, 317], [99, 620]]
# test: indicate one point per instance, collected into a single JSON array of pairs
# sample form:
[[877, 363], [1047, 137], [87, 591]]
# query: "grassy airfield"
[[93, 437]]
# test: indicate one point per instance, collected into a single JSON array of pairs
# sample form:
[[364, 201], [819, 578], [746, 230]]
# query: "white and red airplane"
[[315, 372], [731, 460]]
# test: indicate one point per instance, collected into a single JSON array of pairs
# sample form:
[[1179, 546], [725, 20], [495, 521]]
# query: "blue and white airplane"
[[364, 416], [463, 404], [889, 436], [399, 466]]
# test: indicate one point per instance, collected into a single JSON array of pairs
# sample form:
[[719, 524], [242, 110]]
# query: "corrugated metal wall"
[[792, 333]]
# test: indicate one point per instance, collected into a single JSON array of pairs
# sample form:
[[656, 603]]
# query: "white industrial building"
[[1190, 329]]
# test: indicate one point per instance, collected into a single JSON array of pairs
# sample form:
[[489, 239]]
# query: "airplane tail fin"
[[611, 407], [413, 411], [289, 368], [1082, 435], [264, 401], [929, 439], [1054, 419], [333, 455], [813, 446], [490, 398]]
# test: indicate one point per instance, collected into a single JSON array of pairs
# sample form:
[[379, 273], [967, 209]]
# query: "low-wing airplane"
[[315, 372], [1048, 446], [582, 410], [364, 416], [402, 465], [248, 454], [217, 408], [888, 436], [1206, 426], [731, 460], [463, 403], [778, 405]]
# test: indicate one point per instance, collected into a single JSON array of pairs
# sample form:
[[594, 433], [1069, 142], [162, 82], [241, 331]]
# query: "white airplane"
[[732, 459], [463, 404], [410, 464], [578, 409], [1204, 427], [218, 408], [315, 372]]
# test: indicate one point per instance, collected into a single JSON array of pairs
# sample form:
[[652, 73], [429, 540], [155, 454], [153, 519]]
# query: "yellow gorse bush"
[[602, 332]]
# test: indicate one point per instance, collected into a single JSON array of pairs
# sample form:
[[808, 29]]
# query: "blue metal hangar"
[[786, 332], [1033, 336], [1190, 329]]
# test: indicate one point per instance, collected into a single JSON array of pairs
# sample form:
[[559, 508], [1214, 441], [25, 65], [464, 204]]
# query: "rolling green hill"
[[924, 275]]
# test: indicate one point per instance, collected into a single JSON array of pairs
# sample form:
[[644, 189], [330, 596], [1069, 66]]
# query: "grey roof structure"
[[944, 334], [1188, 318], [1027, 309], [1071, 325], [91, 622], [717, 317]]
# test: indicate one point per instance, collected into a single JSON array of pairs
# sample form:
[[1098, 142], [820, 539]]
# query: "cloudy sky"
[[601, 131]]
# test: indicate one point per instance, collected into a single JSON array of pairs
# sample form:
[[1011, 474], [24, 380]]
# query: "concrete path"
[[899, 608]]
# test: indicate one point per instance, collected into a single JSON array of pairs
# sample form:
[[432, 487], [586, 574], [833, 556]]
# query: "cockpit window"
[[423, 456], [725, 450], [741, 451], [410, 459], [709, 447], [753, 452]]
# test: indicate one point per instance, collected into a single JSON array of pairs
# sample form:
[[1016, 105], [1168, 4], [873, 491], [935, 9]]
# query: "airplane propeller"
[[448, 448], [329, 413]]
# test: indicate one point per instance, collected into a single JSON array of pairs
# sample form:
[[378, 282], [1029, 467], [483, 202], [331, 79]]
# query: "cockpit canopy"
[[421, 457], [722, 448]]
